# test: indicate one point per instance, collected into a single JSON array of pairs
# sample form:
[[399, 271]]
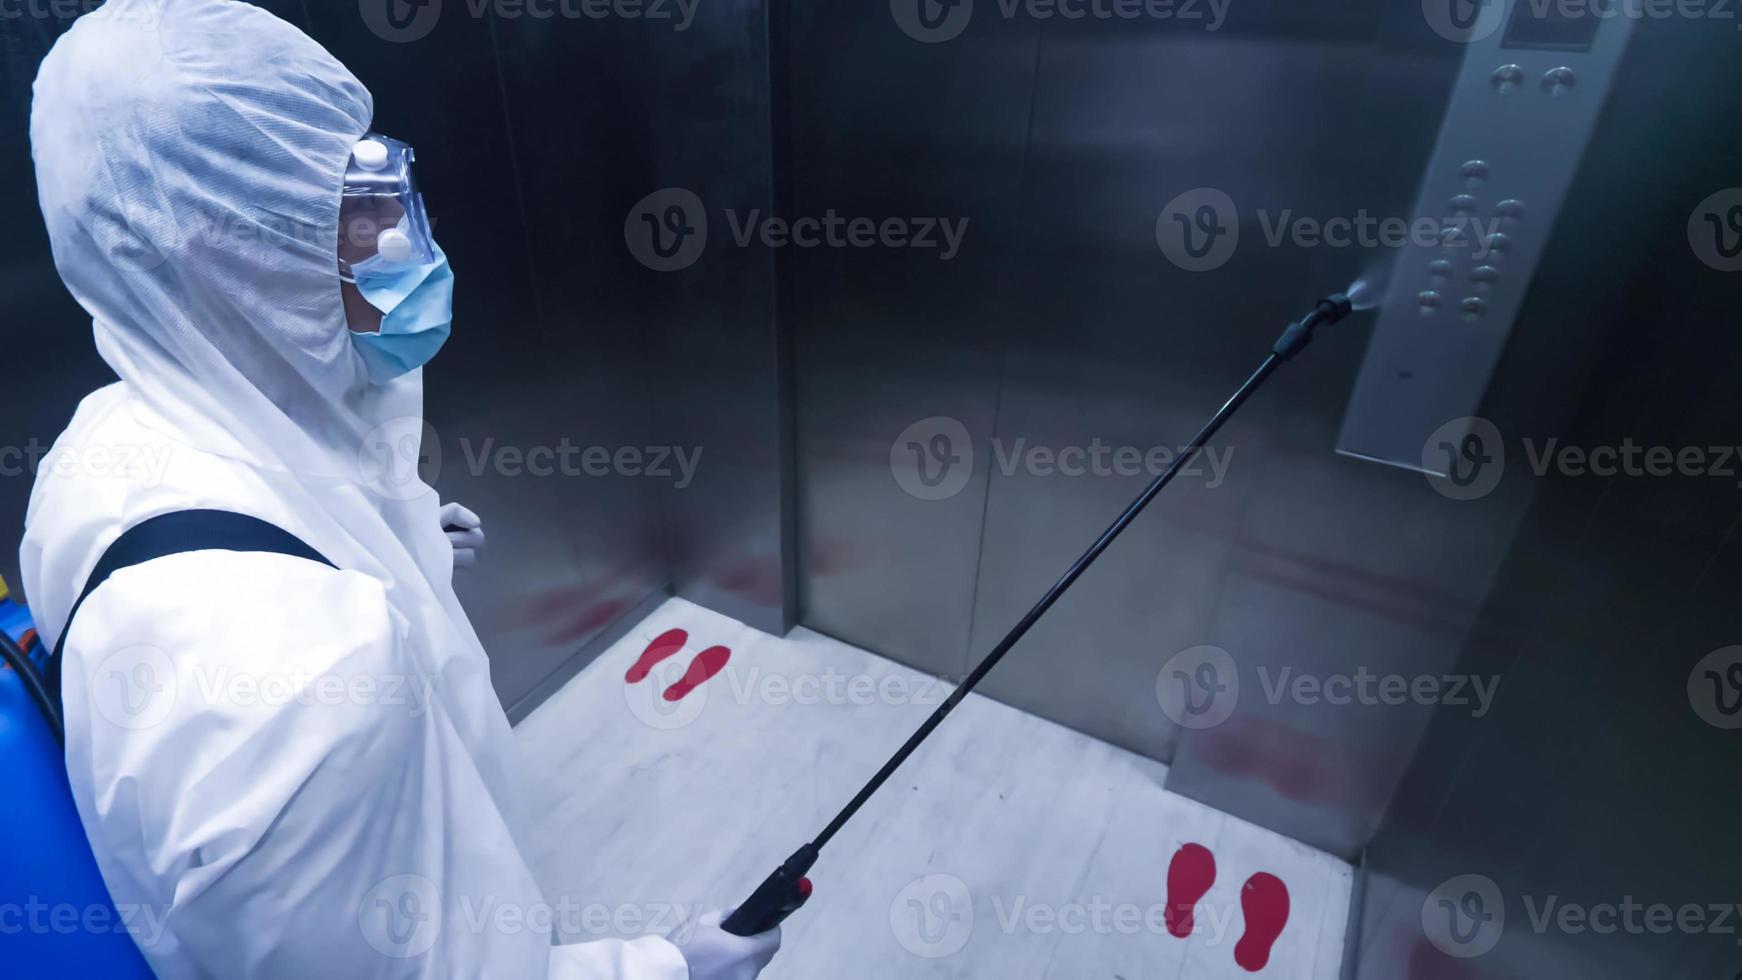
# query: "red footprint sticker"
[[702, 669], [664, 645], [1264, 901], [1189, 877]]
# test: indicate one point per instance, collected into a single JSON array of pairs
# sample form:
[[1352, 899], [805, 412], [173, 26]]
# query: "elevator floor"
[[685, 763]]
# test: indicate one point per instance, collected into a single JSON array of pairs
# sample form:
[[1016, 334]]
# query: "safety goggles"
[[381, 216]]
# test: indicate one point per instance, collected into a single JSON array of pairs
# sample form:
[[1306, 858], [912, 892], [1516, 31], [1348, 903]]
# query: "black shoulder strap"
[[173, 534]]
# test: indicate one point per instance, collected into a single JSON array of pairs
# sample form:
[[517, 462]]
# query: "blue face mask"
[[417, 306]]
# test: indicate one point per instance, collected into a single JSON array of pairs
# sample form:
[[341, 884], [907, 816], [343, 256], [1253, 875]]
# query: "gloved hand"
[[465, 531], [715, 954]]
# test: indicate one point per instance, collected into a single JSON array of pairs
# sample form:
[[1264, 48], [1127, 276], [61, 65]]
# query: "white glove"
[[715, 954], [465, 532]]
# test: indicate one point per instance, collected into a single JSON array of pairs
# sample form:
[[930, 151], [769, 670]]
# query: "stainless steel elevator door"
[[939, 403]]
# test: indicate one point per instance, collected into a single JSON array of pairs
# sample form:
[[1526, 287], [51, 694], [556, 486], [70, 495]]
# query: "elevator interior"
[[1309, 543]]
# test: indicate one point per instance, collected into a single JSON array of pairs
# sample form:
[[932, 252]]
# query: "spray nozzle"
[[1332, 309]]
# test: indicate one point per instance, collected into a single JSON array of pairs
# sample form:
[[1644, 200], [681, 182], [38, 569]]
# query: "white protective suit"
[[284, 770]]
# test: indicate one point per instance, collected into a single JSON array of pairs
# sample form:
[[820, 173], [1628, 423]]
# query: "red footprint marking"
[[663, 646], [702, 669], [1189, 877], [1264, 901]]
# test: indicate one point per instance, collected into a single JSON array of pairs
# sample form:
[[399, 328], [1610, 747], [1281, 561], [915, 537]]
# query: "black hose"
[[27, 673]]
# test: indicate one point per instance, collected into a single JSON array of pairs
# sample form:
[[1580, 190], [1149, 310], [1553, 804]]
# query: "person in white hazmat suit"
[[191, 157]]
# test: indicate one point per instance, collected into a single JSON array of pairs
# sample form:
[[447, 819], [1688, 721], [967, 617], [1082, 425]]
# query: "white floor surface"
[[1008, 847]]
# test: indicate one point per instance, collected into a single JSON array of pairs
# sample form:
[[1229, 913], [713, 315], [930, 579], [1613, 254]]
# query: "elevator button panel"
[[1521, 114]]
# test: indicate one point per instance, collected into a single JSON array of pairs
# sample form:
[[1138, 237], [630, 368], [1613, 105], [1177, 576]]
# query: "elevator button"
[[1475, 173], [1507, 78], [1474, 307], [1430, 302], [1559, 81], [1440, 269], [1463, 204]]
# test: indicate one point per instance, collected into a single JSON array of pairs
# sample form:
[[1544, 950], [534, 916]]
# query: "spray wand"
[[784, 891]]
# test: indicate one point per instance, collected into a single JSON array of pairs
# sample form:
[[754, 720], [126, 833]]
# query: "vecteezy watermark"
[[933, 916], [568, 459], [935, 21], [1466, 457], [401, 457], [1715, 230], [1212, 923], [1199, 688], [1715, 688], [1200, 230], [1364, 687], [1473, 21], [1465, 917], [403, 915], [35, 916], [1099, 459], [672, 696], [668, 230], [933, 458], [144, 15], [1465, 21], [401, 21], [145, 465], [137, 238], [139, 687]]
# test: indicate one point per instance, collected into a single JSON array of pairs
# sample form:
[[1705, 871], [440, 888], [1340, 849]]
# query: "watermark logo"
[[399, 458], [932, 459], [1465, 458], [1099, 459], [1715, 230], [651, 701], [1465, 916], [667, 230], [135, 687], [1715, 688], [566, 458], [402, 916], [141, 464], [1365, 687], [145, 16], [933, 916], [138, 687], [1199, 230], [36, 916], [1198, 687], [1469, 453], [932, 21], [400, 21], [126, 247], [1464, 21]]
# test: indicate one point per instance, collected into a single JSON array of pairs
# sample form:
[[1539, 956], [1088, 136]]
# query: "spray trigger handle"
[[780, 894]]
